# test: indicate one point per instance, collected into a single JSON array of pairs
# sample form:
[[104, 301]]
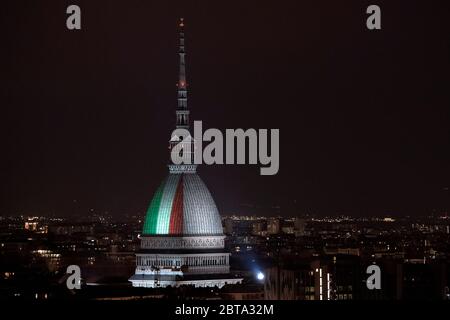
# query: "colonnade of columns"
[[182, 260]]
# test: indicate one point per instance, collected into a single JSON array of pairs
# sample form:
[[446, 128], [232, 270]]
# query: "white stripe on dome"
[[200, 213], [165, 208]]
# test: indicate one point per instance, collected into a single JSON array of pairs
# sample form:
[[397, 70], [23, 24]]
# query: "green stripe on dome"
[[157, 218], [151, 217]]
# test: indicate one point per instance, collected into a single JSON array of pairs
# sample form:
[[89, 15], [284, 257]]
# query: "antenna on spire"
[[178, 143], [182, 109]]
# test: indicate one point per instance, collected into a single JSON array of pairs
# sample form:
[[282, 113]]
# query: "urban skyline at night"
[[197, 154]]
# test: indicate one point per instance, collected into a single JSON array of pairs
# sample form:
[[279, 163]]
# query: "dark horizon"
[[363, 116]]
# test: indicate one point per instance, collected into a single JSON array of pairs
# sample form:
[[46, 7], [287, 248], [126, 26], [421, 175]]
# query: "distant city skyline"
[[411, 252]]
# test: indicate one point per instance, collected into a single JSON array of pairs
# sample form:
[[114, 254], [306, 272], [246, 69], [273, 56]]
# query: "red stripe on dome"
[[176, 215]]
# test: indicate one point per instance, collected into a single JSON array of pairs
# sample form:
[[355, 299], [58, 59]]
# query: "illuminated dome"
[[182, 205]]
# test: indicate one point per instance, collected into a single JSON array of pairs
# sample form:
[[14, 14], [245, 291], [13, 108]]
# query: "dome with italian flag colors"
[[182, 205]]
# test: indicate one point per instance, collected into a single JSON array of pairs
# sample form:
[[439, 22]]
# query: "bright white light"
[[260, 276]]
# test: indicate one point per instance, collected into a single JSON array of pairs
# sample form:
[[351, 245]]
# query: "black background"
[[363, 115]]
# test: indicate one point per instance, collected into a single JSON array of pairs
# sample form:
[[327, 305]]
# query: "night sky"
[[363, 115]]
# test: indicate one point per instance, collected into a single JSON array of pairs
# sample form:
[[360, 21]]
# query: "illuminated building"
[[259, 228], [273, 226], [31, 225], [285, 283], [182, 241]]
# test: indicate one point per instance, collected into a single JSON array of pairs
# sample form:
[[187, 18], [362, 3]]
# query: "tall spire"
[[178, 144], [182, 110]]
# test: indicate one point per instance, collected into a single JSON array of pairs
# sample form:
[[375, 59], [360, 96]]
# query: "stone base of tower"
[[200, 261]]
